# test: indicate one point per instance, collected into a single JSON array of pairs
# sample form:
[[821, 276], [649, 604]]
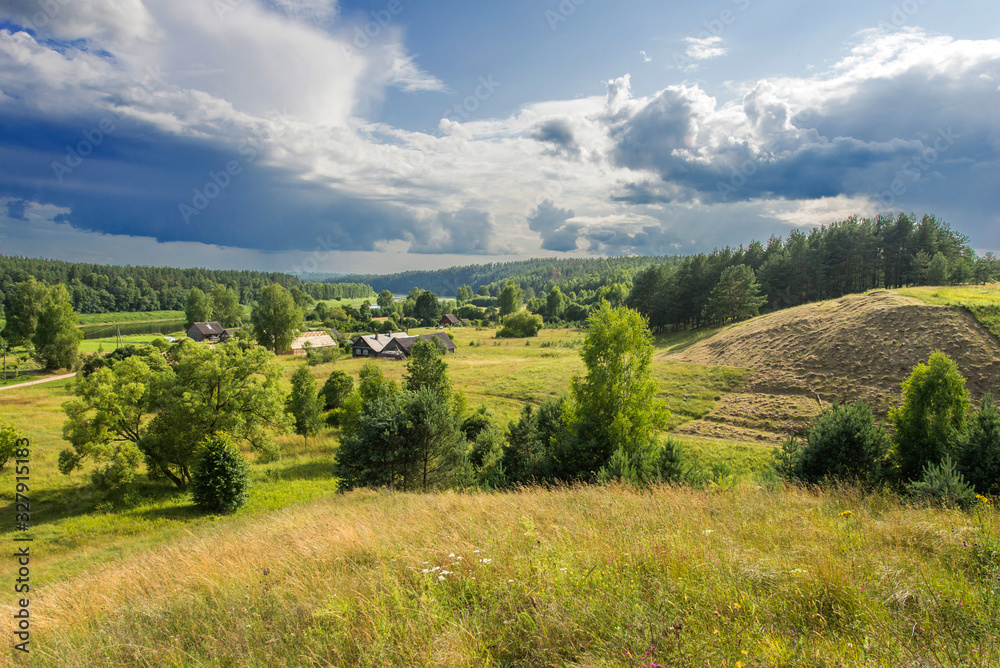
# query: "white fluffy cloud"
[[663, 172]]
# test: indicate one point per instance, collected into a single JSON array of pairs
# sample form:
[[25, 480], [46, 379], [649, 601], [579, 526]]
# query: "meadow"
[[752, 576], [736, 570]]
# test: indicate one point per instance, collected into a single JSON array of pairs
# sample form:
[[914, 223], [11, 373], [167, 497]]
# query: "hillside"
[[856, 347]]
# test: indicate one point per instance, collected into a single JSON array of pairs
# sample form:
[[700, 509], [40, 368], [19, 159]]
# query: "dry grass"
[[856, 347], [580, 577]]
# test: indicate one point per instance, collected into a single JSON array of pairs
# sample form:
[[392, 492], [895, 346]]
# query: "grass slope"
[[856, 347], [569, 577]]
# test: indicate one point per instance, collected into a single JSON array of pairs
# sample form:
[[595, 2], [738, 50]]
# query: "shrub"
[[843, 443], [220, 481], [9, 436], [520, 325], [942, 485]]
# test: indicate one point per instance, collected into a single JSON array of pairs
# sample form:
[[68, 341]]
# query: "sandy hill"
[[857, 347]]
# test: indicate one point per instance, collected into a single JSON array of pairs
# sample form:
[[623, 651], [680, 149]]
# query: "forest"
[[96, 288]]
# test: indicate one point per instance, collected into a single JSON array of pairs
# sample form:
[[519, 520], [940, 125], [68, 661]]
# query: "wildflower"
[[458, 558], [509, 581], [708, 531], [475, 552], [451, 556], [486, 561], [846, 513], [440, 577]]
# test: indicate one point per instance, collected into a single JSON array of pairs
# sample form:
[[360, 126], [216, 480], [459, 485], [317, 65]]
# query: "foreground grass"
[[981, 301], [582, 576]]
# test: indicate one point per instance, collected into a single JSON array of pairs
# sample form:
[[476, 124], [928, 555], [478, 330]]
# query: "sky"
[[384, 135]]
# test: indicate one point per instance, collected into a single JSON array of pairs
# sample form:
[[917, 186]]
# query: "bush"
[[843, 443], [9, 435], [220, 480], [942, 485], [520, 325]]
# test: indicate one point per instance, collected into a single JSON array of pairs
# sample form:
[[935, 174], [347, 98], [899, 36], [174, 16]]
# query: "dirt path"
[[36, 382]]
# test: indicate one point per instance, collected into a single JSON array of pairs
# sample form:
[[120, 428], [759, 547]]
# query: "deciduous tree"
[[304, 404], [276, 318], [198, 307], [932, 417]]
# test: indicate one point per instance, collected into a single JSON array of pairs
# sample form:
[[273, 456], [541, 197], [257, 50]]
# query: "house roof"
[[450, 319], [212, 328], [405, 343], [317, 339], [378, 341]]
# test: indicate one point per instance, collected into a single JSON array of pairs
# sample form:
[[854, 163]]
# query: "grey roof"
[[212, 328]]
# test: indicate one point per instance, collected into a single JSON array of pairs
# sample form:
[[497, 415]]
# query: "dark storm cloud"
[[550, 222], [138, 181]]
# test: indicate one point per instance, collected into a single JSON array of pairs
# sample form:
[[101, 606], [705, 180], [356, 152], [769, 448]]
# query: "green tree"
[[304, 405], [9, 436], [736, 296], [160, 410], [614, 406], [386, 302], [198, 307], [556, 303], [932, 416], [937, 270], [337, 388], [843, 443], [427, 369], [520, 325], [24, 305], [511, 299], [276, 318], [402, 440], [57, 338], [220, 482], [427, 309], [981, 448], [464, 293], [226, 307]]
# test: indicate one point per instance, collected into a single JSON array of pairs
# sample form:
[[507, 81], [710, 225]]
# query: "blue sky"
[[316, 135]]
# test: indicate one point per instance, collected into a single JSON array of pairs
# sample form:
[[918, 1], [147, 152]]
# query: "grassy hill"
[[856, 347]]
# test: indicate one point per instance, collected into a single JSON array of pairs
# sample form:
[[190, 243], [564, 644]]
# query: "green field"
[[738, 570], [981, 301], [127, 316]]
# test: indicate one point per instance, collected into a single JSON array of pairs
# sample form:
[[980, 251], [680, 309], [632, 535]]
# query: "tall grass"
[[582, 576]]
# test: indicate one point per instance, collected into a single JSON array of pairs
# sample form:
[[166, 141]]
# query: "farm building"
[[205, 331], [315, 340], [449, 320], [396, 345]]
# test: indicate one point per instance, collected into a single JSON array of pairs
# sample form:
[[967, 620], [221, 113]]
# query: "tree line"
[[96, 288], [854, 255]]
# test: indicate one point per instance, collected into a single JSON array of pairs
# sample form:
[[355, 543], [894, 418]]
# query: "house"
[[205, 331], [228, 333], [397, 346], [371, 345], [449, 320], [313, 340]]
